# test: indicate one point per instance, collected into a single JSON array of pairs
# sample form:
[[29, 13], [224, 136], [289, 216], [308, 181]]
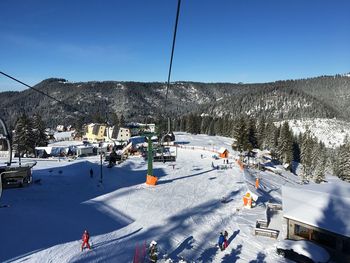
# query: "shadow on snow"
[[58, 210]]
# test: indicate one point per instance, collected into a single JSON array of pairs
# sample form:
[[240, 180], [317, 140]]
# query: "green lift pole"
[[150, 157]]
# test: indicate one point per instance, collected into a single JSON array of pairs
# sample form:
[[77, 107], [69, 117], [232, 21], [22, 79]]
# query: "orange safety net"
[[240, 164]]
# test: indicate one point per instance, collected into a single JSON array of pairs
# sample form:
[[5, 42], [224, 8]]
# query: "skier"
[[91, 173], [85, 238], [153, 251], [221, 241], [225, 240]]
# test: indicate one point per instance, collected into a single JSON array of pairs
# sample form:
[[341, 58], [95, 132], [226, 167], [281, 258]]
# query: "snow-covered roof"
[[47, 149], [63, 135], [84, 146], [325, 206], [222, 150]]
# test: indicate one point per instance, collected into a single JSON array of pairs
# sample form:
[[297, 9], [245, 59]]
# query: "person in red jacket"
[[85, 238]]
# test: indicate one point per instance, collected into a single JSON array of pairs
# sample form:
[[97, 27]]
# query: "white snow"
[[184, 212], [330, 131], [306, 248]]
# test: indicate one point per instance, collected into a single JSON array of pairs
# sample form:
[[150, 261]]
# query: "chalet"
[[124, 134], [223, 152], [95, 132], [61, 128], [319, 213]]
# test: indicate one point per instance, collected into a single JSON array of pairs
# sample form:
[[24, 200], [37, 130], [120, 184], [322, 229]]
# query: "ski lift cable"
[[45, 94], [172, 52]]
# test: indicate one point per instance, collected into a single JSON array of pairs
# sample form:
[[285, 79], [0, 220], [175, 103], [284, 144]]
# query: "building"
[[124, 134], [223, 152], [320, 213], [61, 128], [95, 132]]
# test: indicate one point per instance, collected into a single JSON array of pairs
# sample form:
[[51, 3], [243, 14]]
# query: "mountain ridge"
[[324, 96]]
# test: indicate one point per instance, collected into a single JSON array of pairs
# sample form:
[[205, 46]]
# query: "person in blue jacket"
[[221, 241]]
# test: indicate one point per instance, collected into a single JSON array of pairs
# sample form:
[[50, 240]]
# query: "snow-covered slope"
[[330, 131], [184, 212]]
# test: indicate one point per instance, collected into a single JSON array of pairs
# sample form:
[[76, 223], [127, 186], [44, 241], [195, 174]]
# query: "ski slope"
[[184, 213]]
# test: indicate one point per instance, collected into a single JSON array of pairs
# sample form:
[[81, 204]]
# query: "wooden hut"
[[223, 152]]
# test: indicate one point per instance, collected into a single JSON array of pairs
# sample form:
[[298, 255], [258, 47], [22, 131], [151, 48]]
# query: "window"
[[324, 239], [302, 231]]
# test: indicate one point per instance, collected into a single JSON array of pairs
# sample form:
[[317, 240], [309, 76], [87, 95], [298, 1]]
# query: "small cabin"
[[223, 152]]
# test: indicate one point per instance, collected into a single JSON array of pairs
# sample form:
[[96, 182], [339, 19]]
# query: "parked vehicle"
[[302, 251]]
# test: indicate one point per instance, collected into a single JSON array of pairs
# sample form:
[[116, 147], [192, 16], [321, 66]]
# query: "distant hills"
[[319, 97]]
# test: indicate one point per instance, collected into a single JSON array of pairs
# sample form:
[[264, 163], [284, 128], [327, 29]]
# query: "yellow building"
[[95, 132]]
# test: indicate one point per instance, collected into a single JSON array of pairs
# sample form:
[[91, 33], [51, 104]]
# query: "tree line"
[[285, 147], [249, 133]]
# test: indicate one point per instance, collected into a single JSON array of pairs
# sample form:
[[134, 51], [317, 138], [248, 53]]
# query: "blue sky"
[[218, 40]]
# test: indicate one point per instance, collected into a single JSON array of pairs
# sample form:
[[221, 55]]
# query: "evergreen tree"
[[320, 163], [24, 139], [252, 137], [205, 122], [190, 123], [182, 124], [261, 133], [79, 127], [296, 147], [40, 137], [122, 121], [218, 124], [241, 135], [306, 155], [270, 135], [226, 126], [98, 117], [343, 166], [285, 145]]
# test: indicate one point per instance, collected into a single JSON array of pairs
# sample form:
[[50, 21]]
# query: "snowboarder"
[[221, 241], [153, 251], [201, 156], [91, 173], [85, 238], [225, 240]]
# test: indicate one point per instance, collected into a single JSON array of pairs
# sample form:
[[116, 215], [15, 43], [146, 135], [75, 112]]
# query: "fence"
[[272, 233], [197, 148]]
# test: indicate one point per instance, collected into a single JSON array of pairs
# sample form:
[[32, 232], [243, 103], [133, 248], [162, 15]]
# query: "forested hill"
[[326, 96]]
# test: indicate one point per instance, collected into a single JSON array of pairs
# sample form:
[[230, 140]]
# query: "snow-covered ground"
[[330, 131], [184, 212]]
